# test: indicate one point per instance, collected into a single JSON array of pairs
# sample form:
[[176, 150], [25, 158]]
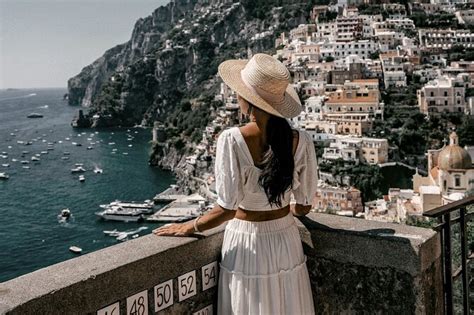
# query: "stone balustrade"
[[356, 266]]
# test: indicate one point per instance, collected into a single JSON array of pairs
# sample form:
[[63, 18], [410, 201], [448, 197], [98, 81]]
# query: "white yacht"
[[116, 213], [6, 165], [98, 170], [4, 176], [82, 178], [35, 158]]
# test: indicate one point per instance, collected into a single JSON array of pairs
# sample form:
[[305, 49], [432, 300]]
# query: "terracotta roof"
[[357, 99], [365, 81]]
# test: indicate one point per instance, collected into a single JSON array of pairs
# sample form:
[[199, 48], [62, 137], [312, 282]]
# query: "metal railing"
[[443, 214]]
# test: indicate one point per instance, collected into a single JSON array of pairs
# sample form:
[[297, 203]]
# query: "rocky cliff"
[[166, 72]]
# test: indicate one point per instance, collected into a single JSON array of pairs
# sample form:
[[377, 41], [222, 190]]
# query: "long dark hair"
[[278, 163]]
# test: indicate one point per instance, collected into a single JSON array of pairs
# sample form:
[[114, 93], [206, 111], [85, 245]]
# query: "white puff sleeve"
[[227, 172], [305, 180]]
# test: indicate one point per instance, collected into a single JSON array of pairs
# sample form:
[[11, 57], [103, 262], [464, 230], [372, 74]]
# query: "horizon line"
[[33, 88]]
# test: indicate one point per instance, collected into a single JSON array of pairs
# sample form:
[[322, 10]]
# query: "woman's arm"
[[211, 219], [299, 210]]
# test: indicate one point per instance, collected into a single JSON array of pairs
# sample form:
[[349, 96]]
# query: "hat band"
[[270, 98]]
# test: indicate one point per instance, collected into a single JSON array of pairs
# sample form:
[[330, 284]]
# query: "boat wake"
[[18, 97]]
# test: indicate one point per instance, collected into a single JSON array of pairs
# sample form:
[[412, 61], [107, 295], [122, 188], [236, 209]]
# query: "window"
[[445, 93], [431, 93], [457, 180]]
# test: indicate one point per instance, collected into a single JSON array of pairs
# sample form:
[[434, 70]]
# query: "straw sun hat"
[[264, 82]]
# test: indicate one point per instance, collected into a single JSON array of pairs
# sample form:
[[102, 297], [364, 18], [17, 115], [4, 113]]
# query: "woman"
[[257, 168]]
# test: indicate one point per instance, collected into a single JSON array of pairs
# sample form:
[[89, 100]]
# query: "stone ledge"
[[342, 253]]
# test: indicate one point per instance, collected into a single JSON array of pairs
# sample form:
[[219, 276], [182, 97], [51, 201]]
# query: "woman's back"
[[237, 173]]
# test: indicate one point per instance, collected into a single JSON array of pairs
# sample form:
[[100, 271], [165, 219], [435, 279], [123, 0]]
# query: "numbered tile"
[[163, 295], [113, 309], [138, 304], [209, 275], [187, 285], [205, 311]]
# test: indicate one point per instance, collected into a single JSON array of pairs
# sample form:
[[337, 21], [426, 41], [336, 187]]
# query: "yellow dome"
[[453, 156]]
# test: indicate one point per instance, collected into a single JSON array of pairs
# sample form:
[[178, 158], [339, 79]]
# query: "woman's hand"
[[176, 229]]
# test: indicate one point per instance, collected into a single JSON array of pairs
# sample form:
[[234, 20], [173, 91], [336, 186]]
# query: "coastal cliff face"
[[166, 72]]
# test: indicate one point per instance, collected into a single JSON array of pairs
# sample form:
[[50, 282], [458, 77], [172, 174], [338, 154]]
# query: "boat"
[[124, 153], [82, 178], [78, 164], [147, 204], [25, 162], [98, 170], [35, 115], [116, 213], [66, 153], [73, 143], [35, 158], [78, 144], [64, 157], [44, 152], [90, 148], [75, 249], [6, 165], [78, 169], [64, 215], [50, 148], [26, 167], [14, 160], [4, 176]]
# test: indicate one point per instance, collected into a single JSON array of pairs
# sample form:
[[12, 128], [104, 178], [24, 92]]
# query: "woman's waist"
[[261, 215]]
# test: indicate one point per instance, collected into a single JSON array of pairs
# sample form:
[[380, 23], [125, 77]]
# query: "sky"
[[45, 42]]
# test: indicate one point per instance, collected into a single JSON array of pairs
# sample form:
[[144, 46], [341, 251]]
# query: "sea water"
[[30, 200]]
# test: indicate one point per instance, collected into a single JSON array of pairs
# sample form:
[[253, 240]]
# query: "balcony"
[[355, 265]]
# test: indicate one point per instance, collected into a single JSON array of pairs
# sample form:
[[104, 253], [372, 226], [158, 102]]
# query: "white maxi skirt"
[[263, 269]]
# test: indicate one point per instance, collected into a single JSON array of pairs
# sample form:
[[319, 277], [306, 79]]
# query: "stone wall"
[[356, 266]]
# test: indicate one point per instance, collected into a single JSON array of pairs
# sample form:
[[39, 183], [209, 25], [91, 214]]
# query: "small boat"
[[78, 144], [12, 134], [111, 143], [67, 139], [64, 157], [6, 165], [35, 115], [14, 160], [28, 143], [20, 142], [82, 178], [34, 158], [78, 169], [26, 167], [124, 153], [90, 148], [4, 176], [64, 215], [98, 170], [50, 148], [75, 249], [73, 143], [44, 152], [25, 162], [79, 164], [37, 154], [25, 152]]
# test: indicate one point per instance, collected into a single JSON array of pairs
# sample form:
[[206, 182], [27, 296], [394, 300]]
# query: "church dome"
[[453, 156]]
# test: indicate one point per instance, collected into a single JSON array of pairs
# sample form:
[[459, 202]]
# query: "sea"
[[31, 236]]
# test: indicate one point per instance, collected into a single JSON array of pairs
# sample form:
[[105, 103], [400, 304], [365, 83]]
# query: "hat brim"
[[230, 70]]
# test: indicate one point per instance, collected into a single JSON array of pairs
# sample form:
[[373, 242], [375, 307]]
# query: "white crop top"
[[237, 176]]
